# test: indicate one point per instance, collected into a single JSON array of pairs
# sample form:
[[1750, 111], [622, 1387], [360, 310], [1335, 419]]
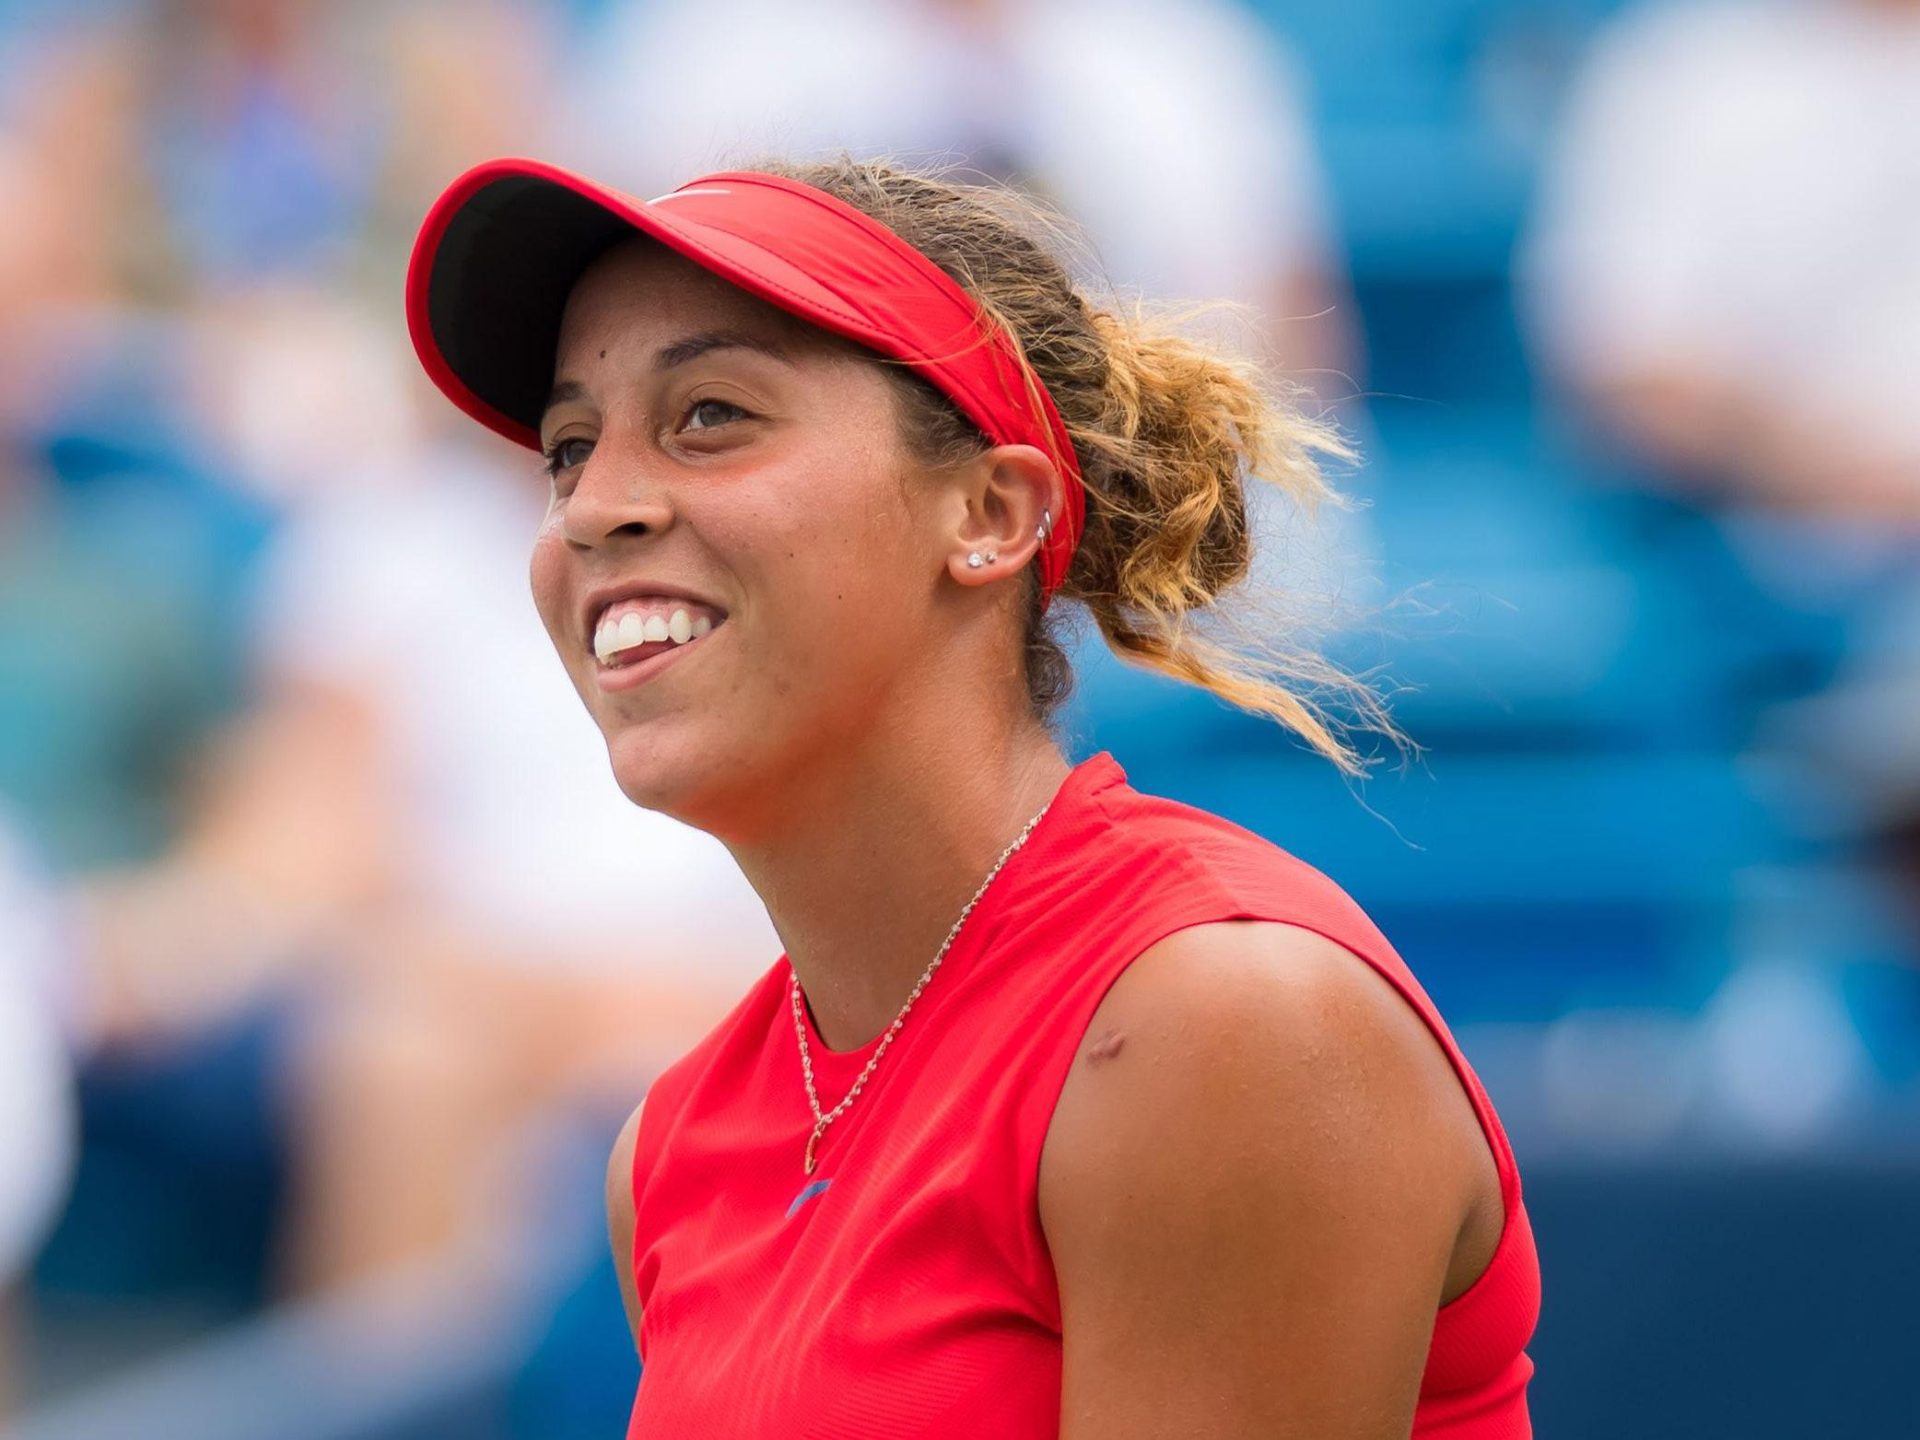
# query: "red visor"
[[500, 250]]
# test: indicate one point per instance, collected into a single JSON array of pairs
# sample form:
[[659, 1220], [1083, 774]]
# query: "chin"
[[680, 769], [653, 774]]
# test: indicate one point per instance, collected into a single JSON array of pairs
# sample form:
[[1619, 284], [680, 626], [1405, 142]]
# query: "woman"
[[1068, 1110]]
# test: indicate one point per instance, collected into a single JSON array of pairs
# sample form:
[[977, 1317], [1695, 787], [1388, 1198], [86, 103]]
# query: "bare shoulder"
[[620, 1216], [1262, 1001], [1258, 1137]]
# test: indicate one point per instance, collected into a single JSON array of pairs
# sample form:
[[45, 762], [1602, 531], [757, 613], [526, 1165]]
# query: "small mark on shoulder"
[[1106, 1047]]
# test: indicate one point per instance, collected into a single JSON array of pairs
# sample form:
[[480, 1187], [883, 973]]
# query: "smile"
[[640, 664]]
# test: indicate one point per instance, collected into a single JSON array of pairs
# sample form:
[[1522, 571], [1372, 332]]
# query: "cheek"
[[847, 610], [847, 533], [837, 603], [547, 574]]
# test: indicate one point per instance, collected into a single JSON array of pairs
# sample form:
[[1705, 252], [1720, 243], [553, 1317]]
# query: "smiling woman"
[[1068, 1110]]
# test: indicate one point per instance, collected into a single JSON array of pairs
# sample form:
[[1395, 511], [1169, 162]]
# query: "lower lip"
[[626, 677]]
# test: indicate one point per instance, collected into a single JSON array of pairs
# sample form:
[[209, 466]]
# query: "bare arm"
[[1261, 1181], [284, 838], [620, 1219]]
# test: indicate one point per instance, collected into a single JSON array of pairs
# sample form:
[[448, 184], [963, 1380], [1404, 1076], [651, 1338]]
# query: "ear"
[[1005, 489]]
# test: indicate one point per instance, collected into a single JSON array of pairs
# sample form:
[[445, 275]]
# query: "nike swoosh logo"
[[697, 190], [805, 1195]]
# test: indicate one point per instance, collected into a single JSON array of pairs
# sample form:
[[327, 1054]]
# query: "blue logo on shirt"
[[805, 1195]]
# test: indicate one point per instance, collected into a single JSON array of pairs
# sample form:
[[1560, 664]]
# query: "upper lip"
[[599, 599]]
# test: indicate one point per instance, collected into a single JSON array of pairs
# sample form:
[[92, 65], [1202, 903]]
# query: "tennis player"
[[1068, 1110]]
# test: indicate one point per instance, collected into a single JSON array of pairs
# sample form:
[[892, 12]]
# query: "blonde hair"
[[1167, 431]]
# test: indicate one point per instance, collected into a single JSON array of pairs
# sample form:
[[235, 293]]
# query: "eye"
[[562, 455], [728, 411]]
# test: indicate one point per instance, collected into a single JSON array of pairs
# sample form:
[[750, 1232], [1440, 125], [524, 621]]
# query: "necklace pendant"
[[813, 1140]]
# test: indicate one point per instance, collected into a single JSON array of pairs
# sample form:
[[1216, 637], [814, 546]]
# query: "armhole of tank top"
[[1495, 1134], [657, 1109], [667, 1091], [1491, 1129]]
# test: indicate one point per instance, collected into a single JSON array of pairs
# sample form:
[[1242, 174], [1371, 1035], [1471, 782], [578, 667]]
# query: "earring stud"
[[974, 562]]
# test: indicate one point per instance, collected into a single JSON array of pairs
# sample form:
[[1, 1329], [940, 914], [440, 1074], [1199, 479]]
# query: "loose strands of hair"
[[1167, 432]]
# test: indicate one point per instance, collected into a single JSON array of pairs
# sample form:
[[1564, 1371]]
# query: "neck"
[[878, 852]]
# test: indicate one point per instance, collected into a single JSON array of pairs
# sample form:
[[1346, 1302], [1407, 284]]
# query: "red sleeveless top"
[[905, 1288]]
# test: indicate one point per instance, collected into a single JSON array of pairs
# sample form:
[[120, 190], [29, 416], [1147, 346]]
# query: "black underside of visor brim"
[[500, 282]]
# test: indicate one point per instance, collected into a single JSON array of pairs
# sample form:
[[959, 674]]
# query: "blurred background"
[[321, 991]]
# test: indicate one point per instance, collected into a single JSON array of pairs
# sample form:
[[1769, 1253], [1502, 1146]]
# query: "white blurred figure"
[[38, 1114], [416, 826], [1725, 264], [536, 938], [399, 586], [1724, 270], [413, 832], [1172, 130]]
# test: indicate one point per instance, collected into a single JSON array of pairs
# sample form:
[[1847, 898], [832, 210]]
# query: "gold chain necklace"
[[821, 1121]]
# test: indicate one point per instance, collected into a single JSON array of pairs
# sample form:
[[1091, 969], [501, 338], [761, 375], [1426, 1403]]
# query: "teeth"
[[632, 629]]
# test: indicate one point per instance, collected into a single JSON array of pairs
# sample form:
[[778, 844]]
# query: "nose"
[[616, 493]]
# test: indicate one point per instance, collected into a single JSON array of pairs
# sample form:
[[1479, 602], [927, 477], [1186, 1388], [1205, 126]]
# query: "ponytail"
[[1170, 434]]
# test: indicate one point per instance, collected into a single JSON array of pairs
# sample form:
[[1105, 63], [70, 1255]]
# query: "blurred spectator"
[[407, 832], [1724, 271], [123, 558], [519, 934], [1725, 265], [1863, 734], [1171, 130], [413, 831], [335, 790], [458, 81], [259, 167], [111, 522]]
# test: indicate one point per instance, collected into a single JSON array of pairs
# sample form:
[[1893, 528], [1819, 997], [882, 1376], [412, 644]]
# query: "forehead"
[[640, 288]]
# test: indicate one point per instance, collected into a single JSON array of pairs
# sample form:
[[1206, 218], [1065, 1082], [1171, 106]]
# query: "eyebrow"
[[681, 352], [694, 346]]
